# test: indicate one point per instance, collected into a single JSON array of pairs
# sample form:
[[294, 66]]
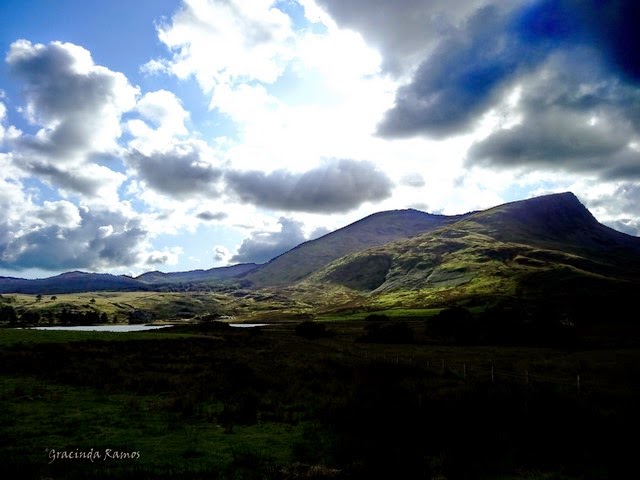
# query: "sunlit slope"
[[545, 248], [376, 229]]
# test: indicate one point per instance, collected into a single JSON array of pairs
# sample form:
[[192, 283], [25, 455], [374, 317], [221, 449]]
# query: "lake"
[[103, 328], [127, 328]]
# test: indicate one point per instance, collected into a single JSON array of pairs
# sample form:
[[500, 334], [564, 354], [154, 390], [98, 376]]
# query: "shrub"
[[393, 332], [312, 330]]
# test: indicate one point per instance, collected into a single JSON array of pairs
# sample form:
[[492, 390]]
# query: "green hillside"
[[376, 229], [547, 249]]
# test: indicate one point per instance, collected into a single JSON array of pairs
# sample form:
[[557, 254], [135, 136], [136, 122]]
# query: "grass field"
[[211, 401]]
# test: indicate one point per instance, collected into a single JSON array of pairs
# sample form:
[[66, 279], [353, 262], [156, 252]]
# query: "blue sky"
[[174, 135]]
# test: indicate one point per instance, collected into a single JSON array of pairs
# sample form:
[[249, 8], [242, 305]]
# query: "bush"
[[8, 314], [312, 330], [393, 332], [454, 324]]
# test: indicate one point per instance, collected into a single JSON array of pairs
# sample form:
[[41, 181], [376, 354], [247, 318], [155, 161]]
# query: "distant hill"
[[212, 274], [376, 229], [545, 248], [76, 282], [70, 282]]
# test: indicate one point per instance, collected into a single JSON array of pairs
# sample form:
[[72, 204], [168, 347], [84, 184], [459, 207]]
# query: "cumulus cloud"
[[335, 186], [263, 246], [574, 117], [90, 180], [184, 172], [61, 213], [70, 244], [413, 180], [221, 41], [459, 81], [402, 29], [76, 107], [163, 119], [78, 104], [472, 67], [618, 206]]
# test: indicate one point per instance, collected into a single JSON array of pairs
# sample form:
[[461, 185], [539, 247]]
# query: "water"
[[103, 328], [248, 325], [128, 328]]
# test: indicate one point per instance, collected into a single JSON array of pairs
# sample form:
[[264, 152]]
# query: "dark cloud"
[[574, 117], [403, 29], [157, 259], [336, 186], [609, 26], [210, 216], [180, 173], [102, 239], [463, 77], [471, 67], [80, 180], [263, 246]]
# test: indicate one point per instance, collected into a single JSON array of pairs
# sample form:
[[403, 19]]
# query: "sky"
[[175, 135]]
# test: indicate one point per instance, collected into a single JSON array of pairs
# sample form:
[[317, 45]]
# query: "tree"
[[312, 330], [8, 314], [30, 317]]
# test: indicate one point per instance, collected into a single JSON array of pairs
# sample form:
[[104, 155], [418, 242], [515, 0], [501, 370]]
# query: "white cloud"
[[60, 213], [163, 119], [262, 246], [168, 256], [76, 104], [76, 107], [219, 42]]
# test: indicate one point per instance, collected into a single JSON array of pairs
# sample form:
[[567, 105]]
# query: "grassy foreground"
[[214, 402]]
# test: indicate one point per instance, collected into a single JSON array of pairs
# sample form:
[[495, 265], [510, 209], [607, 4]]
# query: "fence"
[[474, 372]]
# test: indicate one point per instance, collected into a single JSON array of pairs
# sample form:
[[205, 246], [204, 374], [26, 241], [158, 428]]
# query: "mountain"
[[376, 229], [70, 282], [548, 248], [212, 274], [75, 282], [544, 249]]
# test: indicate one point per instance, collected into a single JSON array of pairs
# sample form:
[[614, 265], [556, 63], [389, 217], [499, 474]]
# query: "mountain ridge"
[[406, 250]]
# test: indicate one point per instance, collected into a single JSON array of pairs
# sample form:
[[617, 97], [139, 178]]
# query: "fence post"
[[464, 372], [526, 374], [578, 383], [443, 366], [493, 378]]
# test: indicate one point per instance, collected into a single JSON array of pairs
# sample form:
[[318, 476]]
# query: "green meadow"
[[208, 401]]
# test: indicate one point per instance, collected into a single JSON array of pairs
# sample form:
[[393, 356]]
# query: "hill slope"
[[376, 229], [547, 248]]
